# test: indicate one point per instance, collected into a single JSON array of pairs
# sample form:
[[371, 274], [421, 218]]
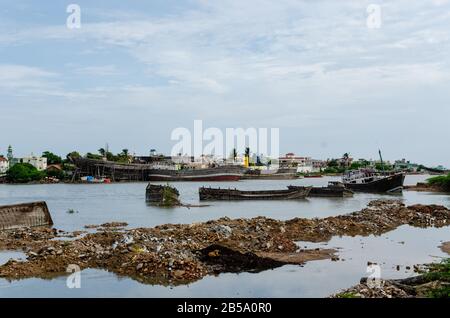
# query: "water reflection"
[[97, 204]]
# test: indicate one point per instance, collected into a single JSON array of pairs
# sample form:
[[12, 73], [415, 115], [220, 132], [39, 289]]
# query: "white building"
[[303, 164], [4, 165], [39, 163]]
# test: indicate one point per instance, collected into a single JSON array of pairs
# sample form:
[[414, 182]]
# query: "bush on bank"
[[23, 173], [440, 181]]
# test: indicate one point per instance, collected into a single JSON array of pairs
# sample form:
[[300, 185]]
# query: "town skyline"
[[153, 151]]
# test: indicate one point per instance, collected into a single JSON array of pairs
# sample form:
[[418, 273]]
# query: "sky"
[[136, 70]]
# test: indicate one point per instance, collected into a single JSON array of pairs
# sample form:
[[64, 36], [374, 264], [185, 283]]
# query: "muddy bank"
[[445, 247], [425, 187], [178, 254], [434, 282]]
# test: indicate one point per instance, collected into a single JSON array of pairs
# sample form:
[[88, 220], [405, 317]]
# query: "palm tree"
[[346, 158], [102, 151]]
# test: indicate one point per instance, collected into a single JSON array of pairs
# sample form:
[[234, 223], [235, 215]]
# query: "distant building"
[[318, 165], [39, 163], [405, 165], [303, 164], [4, 165], [54, 168]]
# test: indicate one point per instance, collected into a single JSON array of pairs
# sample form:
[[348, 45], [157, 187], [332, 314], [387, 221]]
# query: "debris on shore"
[[424, 187], [433, 283], [445, 247], [175, 254]]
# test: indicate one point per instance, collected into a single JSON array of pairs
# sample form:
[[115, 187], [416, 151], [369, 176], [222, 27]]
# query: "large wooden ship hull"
[[280, 174], [111, 170], [329, 191], [234, 194], [389, 183], [221, 173]]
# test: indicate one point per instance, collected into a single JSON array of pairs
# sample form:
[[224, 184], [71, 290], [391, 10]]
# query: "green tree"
[[23, 173], [73, 155], [102, 152], [52, 159], [93, 156], [333, 163], [383, 166]]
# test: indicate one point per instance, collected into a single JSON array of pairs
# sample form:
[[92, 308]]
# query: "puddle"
[[5, 256]]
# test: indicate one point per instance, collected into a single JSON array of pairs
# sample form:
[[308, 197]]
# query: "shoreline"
[[176, 254]]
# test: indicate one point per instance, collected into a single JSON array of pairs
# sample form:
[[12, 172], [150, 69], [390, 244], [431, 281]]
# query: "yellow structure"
[[246, 161]]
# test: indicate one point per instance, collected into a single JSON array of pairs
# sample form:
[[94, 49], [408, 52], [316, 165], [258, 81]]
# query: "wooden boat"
[[334, 189], [279, 174], [234, 194], [162, 194], [313, 175], [24, 215], [219, 173], [369, 180]]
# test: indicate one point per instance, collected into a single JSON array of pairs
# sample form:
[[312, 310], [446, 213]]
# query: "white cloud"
[[288, 63], [100, 70], [21, 76]]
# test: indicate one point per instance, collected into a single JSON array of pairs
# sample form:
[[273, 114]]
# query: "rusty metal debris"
[[24, 215]]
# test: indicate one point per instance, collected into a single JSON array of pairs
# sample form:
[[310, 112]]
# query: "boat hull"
[[388, 184], [233, 194], [338, 192], [280, 174], [24, 215], [162, 195], [174, 178], [221, 173]]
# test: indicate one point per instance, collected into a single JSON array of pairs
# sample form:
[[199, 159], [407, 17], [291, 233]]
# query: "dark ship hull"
[[233, 194], [280, 174], [225, 173], [329, 191], [389, 183]]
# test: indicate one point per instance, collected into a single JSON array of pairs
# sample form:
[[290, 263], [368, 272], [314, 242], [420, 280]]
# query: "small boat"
[[24, 215], [163, 195], [313, 175], [234, 194], [369, 180], [334, 189], [91, 179]]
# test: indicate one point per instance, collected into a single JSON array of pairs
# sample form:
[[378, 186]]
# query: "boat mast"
[[381, 160]]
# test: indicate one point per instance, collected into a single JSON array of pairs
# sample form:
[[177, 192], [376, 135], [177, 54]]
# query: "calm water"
[[96, 204]]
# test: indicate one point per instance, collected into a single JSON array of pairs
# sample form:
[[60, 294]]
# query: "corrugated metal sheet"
[[24, 215]]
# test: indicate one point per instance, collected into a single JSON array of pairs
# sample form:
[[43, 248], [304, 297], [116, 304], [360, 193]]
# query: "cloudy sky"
[[136, 70]]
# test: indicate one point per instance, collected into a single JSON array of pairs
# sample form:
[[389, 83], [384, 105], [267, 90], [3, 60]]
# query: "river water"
[[125, 202]]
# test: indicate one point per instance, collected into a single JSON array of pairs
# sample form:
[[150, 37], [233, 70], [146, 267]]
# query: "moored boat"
[[219, 173], [369, 180], [278, 174], [234, 194], [162, 195], [334, 189]]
